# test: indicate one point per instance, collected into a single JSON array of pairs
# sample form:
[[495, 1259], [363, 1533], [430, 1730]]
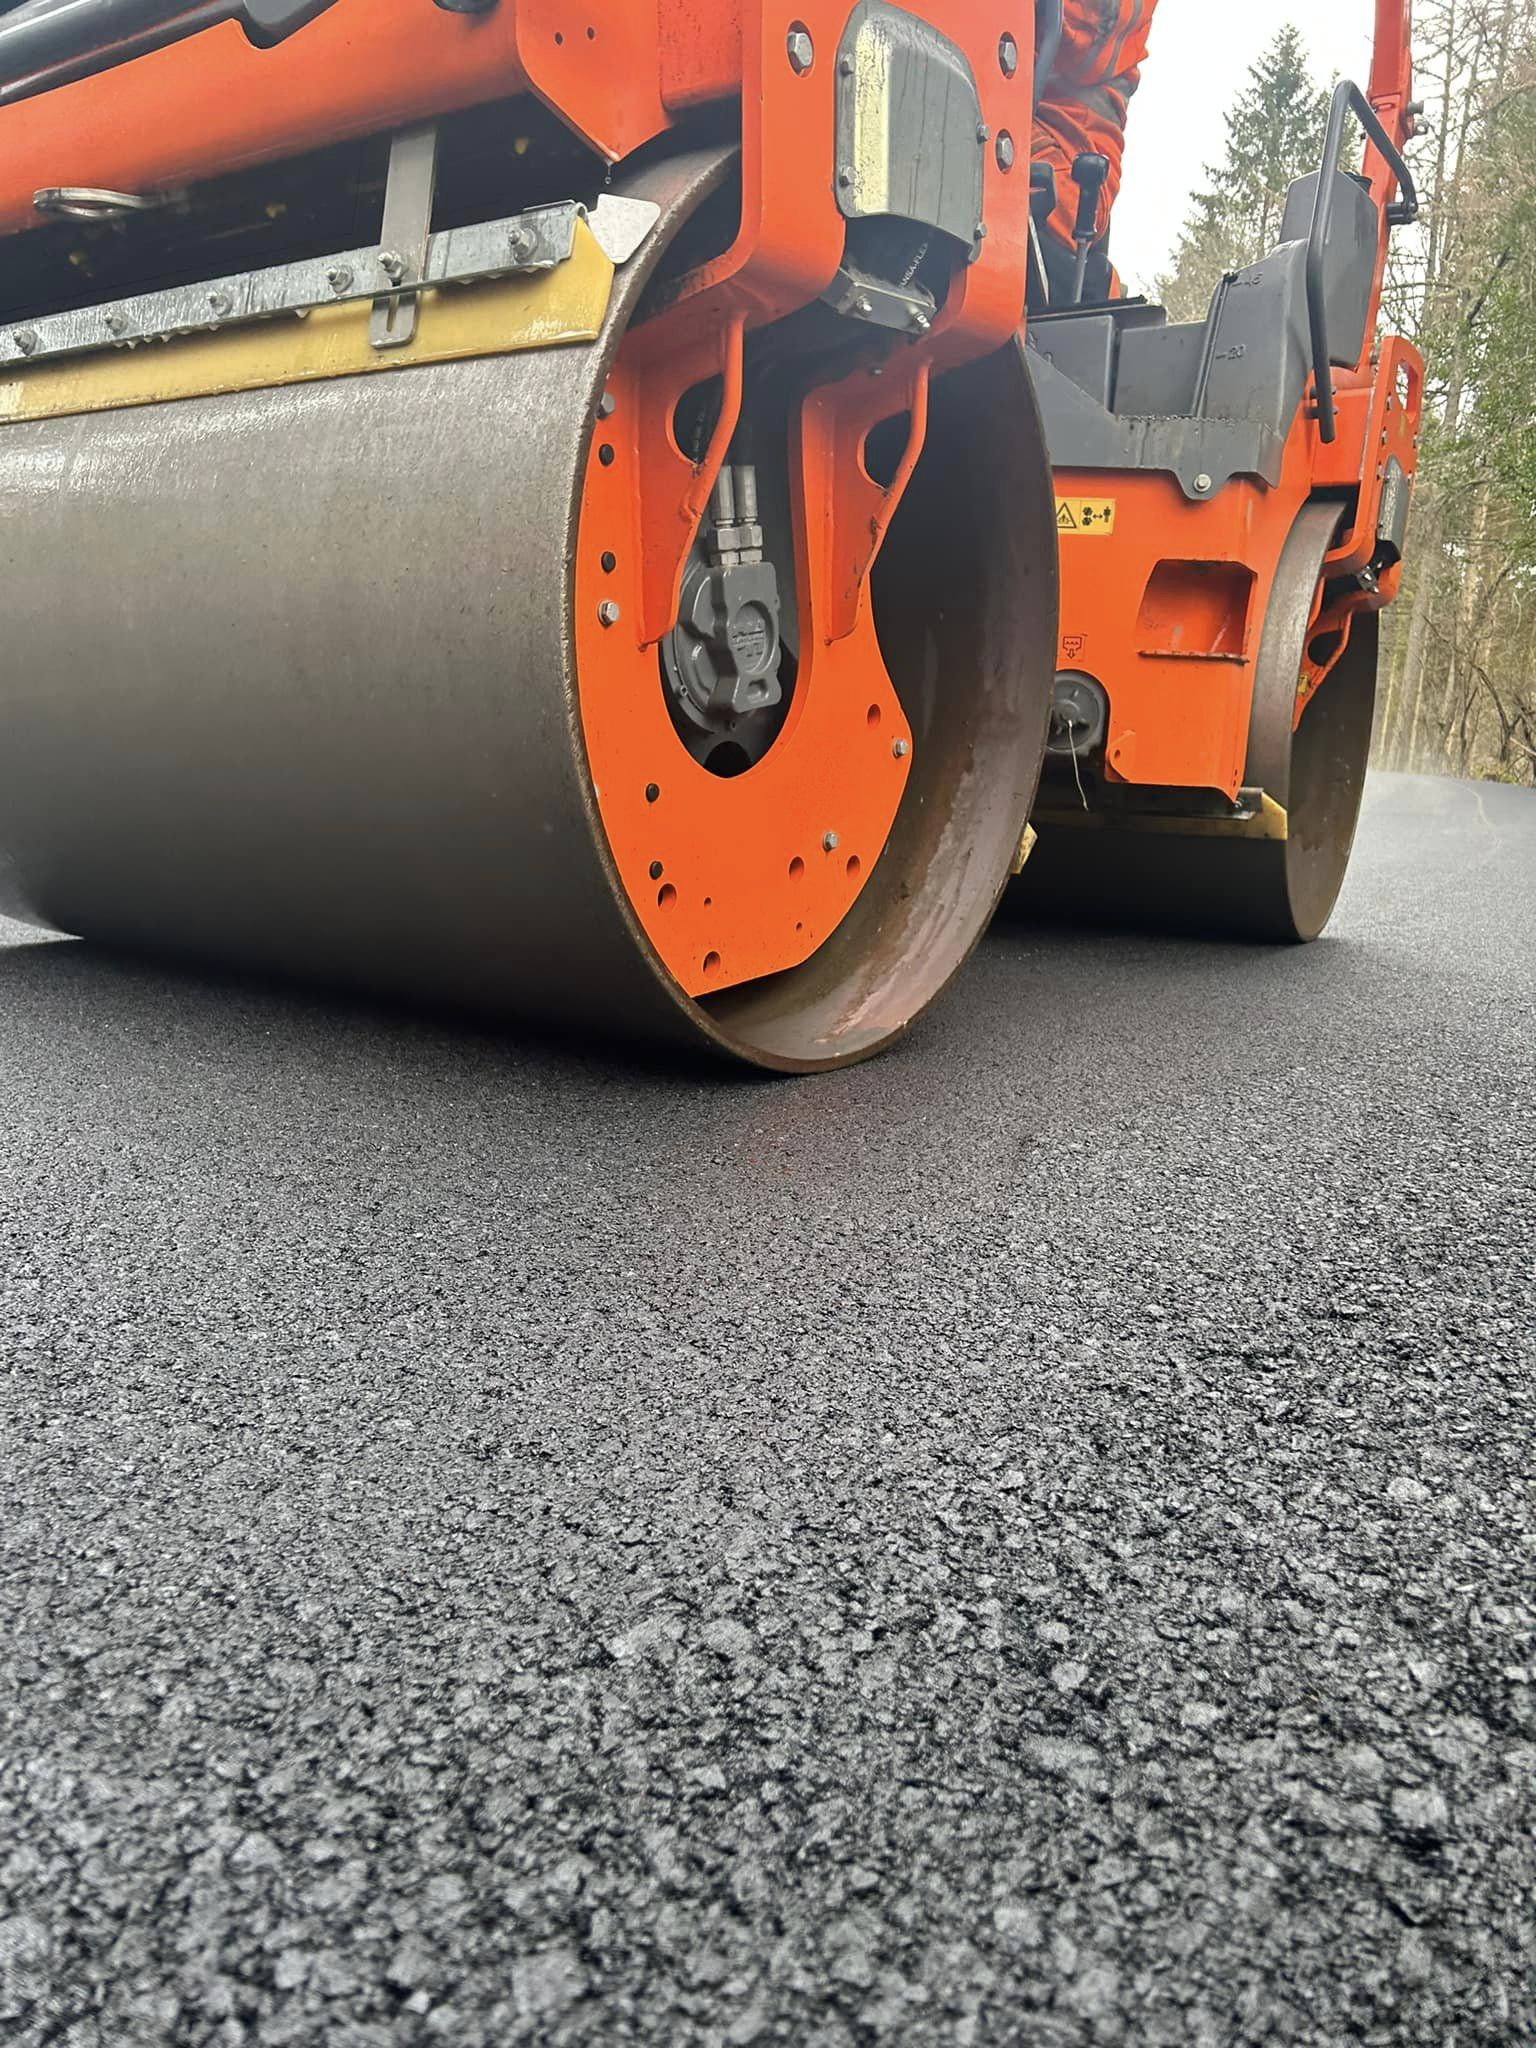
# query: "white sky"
[[1201, 51]]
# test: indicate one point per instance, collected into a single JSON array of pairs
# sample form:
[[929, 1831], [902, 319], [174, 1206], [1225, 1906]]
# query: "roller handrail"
[[45, 43], [1400, 212]]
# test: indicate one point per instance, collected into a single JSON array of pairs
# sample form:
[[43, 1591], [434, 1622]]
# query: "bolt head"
[[608, 613], [219, 303], [831, 843], [25, 340], [863, 306], [1202, 483], [900, 749], [921, 321], [392, 265], [1008, 57], [1006, 153], [983, 133], [339, 278], [802, 51], [521, 242], [605, 406], [845, 175], [115, 323]]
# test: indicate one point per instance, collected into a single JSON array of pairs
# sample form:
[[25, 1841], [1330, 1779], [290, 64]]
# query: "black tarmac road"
[[1032, 1541]]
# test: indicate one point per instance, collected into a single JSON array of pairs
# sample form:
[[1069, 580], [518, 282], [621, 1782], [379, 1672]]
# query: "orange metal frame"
[[617, 71], [775, 857], [1168, 614]]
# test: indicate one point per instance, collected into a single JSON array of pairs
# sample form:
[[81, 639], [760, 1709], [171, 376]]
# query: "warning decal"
[[1085, 515]]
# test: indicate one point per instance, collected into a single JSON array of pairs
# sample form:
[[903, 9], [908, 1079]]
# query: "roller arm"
[[1392, 67]]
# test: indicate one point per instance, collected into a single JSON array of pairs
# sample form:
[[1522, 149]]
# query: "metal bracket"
[[519, 246], [406, 233], [859, 295]]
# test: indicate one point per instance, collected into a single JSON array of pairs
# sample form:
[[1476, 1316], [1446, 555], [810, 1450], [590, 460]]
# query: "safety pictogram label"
[[1086, 515]]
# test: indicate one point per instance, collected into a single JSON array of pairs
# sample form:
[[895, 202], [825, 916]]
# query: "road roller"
[[591, 514], [1232, 502]]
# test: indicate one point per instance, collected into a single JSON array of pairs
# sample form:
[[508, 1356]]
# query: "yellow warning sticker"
[[1095, 516]]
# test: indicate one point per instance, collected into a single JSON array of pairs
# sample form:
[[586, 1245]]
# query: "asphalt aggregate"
[[1030, 1541]]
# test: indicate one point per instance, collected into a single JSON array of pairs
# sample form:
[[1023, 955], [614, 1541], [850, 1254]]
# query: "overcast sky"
[[1201, 51]]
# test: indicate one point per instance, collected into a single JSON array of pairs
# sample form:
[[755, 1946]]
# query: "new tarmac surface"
[[1032, 1541]]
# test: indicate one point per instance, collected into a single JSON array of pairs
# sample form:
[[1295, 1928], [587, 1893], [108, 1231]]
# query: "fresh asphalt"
[[1031, 1541]]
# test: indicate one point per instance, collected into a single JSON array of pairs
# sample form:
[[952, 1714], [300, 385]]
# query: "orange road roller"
[[590, 513]]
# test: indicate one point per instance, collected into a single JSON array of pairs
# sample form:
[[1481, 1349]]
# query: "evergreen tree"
[[1275, 133]]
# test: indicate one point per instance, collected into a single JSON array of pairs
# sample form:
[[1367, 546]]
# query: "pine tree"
[[1275, 133]]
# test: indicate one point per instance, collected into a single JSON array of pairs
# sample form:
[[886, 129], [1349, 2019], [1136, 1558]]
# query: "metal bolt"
[[608, 613], [831, 842], [1008, 57], [983, 133], [339, 278], [845, 66], [522, 240], [802, 52], [605, 406], [845, 175], [900, 749], [981, 231], [1202, 483], [1005, 151], [219, 303], [25, 339], [863, 306], [920, 320], [116, 324], [392, 265]]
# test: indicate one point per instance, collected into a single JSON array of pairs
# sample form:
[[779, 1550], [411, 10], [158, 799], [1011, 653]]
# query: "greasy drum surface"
[[1026, 1541]]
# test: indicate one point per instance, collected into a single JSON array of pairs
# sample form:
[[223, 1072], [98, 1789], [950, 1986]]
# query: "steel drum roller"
[[291, 685]]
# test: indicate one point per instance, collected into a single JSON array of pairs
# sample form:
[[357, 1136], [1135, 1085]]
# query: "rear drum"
[[1152, 875]]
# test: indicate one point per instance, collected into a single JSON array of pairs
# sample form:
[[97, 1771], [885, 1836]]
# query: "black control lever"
[[46, 43], [1090, 173]]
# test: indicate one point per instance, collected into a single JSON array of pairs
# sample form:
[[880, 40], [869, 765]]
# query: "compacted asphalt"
[[1030, 1541]]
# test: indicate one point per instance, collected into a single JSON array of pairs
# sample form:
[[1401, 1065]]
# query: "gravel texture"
[[1027, 1542]]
